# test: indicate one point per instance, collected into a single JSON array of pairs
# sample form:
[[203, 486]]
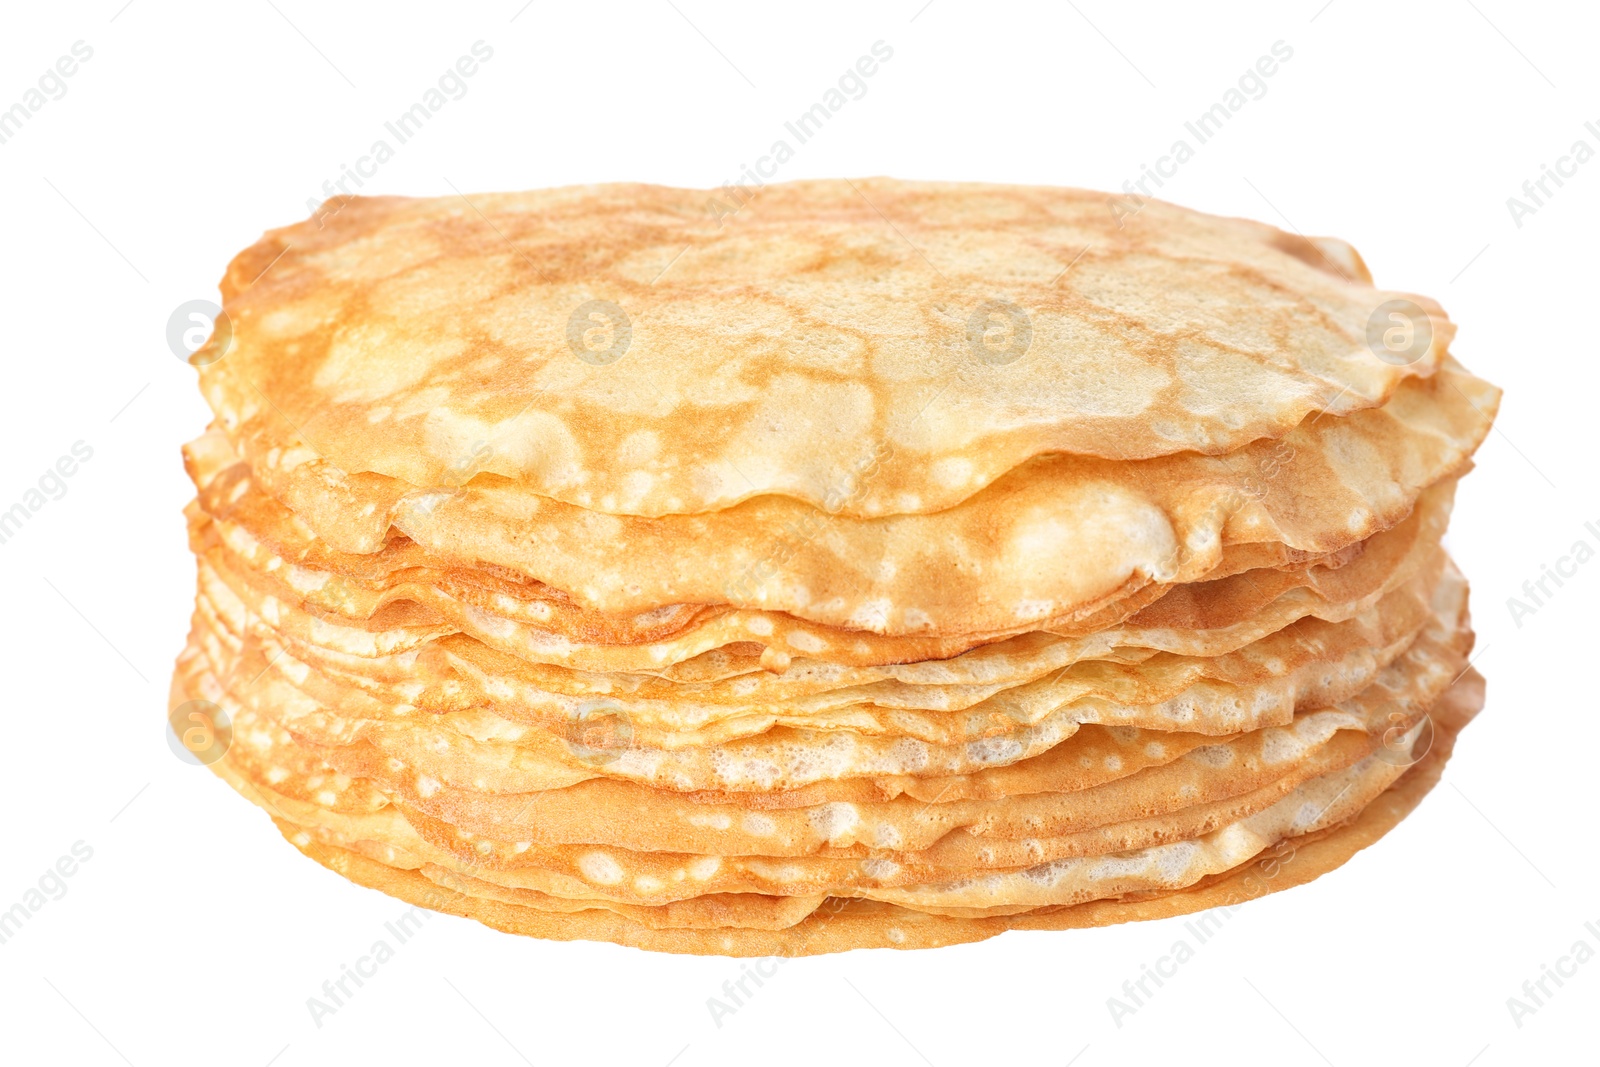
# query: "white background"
[[194, 934]]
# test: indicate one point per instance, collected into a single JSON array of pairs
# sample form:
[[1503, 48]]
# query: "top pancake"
[[843, 344]]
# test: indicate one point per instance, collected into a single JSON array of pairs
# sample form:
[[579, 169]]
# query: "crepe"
[[894, 565], [788, 348], [972, 569], [1309, 663], [714, 925], [819, 823], [664, 839]]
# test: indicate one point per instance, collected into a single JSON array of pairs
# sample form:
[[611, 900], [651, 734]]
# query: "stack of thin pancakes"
[[891, 564]]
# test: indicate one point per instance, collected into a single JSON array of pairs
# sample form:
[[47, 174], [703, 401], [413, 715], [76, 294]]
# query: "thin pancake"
[[841, 925], [776, 356]]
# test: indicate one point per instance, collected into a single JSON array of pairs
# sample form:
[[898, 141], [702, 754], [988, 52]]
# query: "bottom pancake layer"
[[753, 924]]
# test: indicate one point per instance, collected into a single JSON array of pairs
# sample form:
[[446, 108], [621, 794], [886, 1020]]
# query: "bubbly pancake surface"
[[793, 343]]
